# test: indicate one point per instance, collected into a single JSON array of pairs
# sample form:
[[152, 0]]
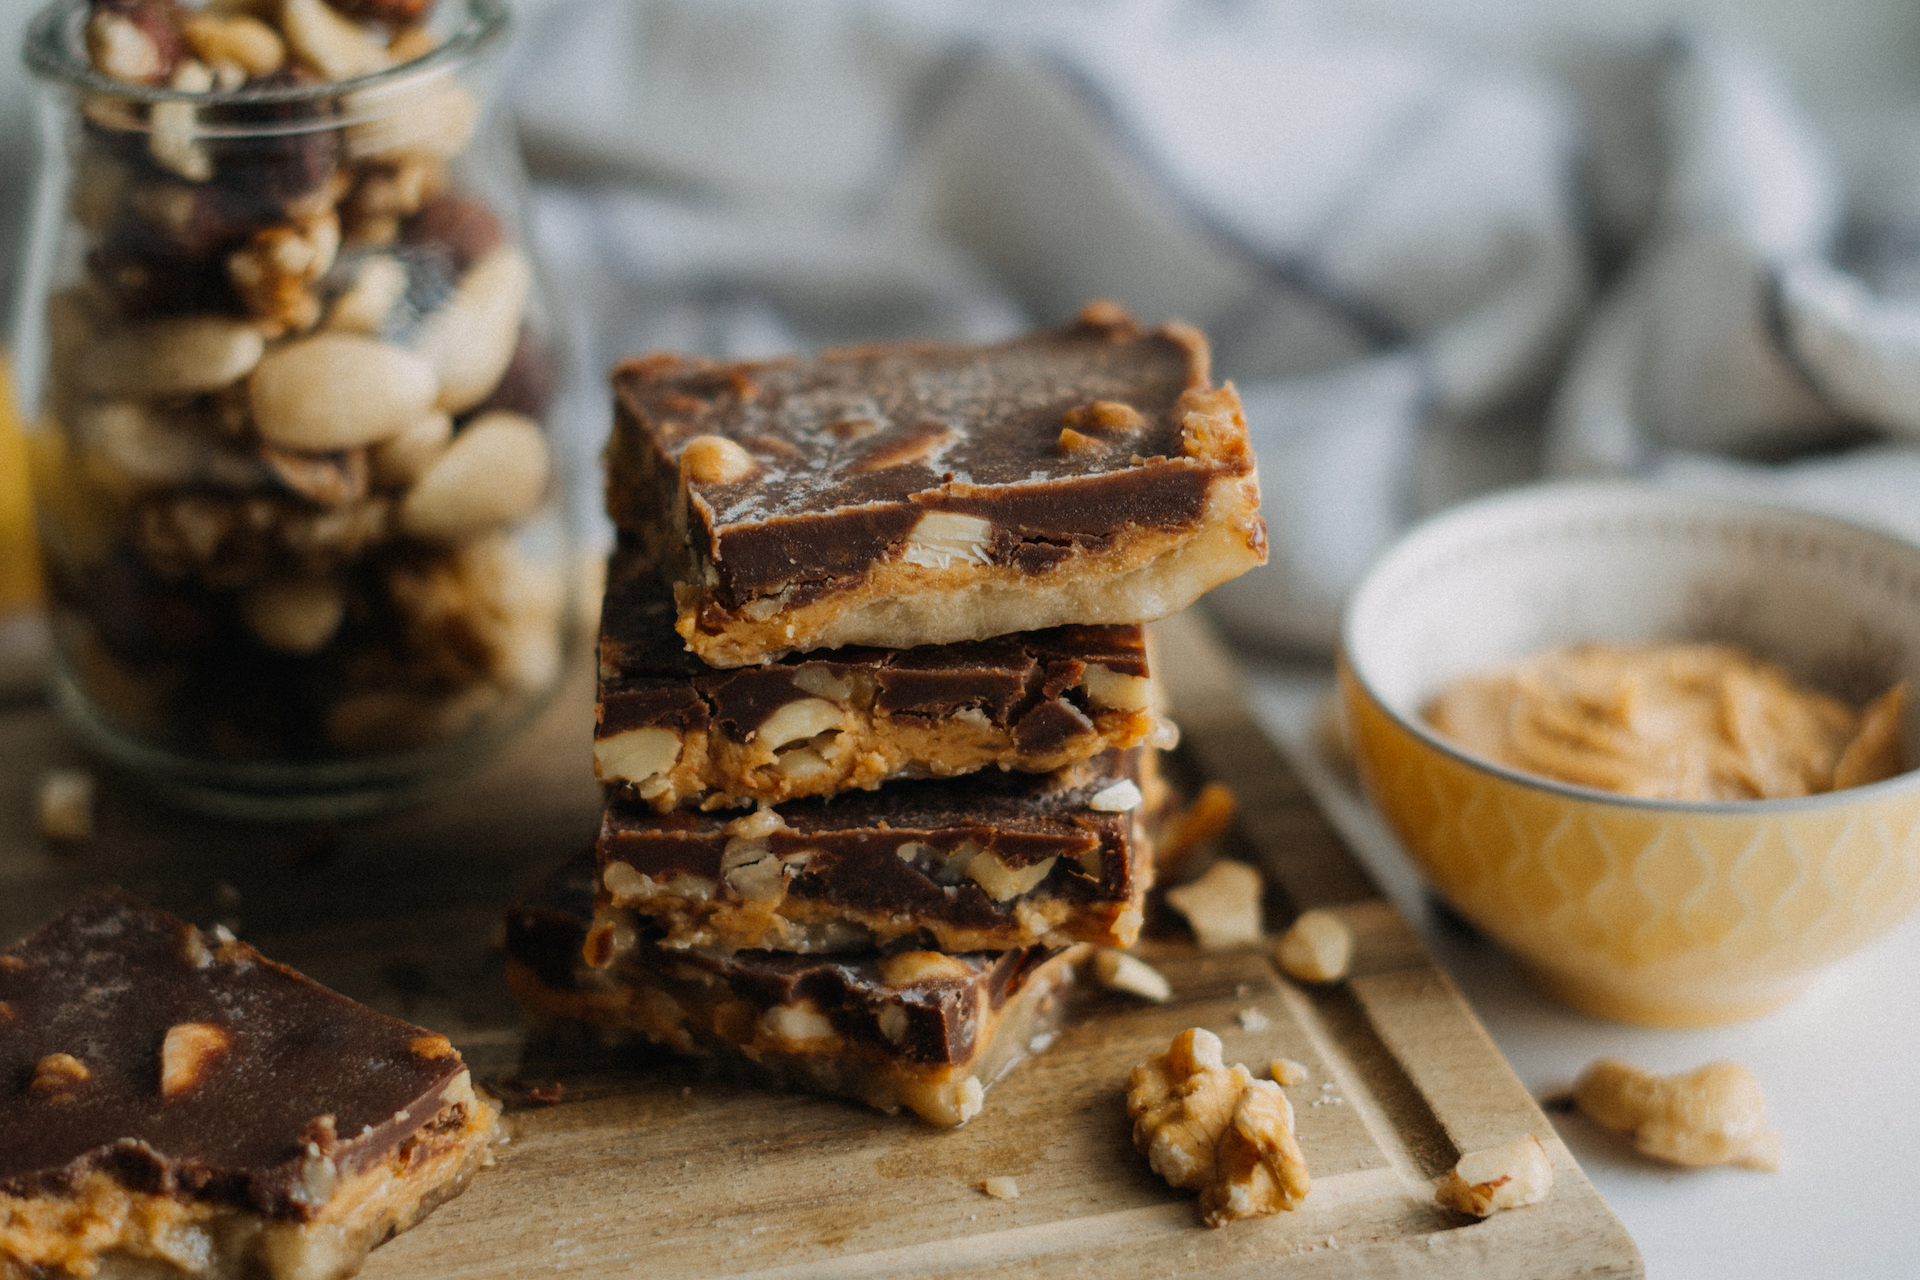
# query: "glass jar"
[[288, 374]]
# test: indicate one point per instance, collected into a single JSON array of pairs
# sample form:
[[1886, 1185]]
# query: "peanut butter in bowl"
[[1670, 720]]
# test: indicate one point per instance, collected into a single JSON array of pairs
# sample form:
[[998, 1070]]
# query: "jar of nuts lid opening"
[[287, 369]]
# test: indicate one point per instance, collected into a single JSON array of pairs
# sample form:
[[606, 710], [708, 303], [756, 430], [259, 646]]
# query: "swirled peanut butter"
[[1671, 721]]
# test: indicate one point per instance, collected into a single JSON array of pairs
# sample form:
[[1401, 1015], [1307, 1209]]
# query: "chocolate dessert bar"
[[985, 862], [679, 734], [174, 1103], [918, 1029], [910, 495]]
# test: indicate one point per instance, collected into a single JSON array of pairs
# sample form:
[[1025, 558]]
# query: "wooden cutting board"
[[646, 1168]]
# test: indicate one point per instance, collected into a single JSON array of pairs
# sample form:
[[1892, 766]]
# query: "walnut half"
[[1205, 1126]]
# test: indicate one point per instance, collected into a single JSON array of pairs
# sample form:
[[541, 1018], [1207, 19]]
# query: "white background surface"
[[1841, 1067]]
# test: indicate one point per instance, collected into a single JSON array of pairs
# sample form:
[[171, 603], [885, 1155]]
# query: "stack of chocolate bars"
[[875, 717]]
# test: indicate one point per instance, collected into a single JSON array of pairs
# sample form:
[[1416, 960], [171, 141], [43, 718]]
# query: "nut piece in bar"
[[909, 495], [177, 1104], [679, 734], [914, 1029], [985, 862]]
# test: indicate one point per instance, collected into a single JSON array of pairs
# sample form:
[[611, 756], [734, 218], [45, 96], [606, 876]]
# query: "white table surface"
[[1841, 1067]]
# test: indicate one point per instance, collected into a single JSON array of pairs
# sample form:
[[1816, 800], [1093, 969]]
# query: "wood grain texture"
[[646, 1166]]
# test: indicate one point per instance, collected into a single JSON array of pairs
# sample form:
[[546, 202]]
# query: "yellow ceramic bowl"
[[1669, 913]]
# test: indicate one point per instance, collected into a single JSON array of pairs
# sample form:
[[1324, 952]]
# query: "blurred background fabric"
[[1441, 247]]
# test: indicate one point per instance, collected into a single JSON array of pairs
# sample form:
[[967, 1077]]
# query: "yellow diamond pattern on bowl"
[[1659, 915]]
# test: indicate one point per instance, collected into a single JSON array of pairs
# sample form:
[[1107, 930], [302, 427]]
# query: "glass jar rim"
[[54, 52]]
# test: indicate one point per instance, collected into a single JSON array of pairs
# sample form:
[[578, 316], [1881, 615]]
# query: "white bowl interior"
[[1492, 582]]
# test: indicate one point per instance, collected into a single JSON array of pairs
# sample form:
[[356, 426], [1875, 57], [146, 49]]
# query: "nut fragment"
[[1121, 797], [171, 126], [379, 283], [404, 458], [66, 804], [183, 356], [187, 1055], [56, 1076], [1205, 1126], [1001, 1188], [335, 47], [324, 479], [338, 391], [470, 340], [430, 1047], [1117, 971], [1097, 416], [1317, 947], [715, 460], [136, 41], [294, 615], [757, 825], [1222, 907], [751, 871], [904, 968], [1004, 883], [1504, 1177], [418, 117], [1108, 689], [493, 474], [1072, 442], [606, 940], [276, 272], [240, 39], [1716, 1114], [635, 754], [942, 537], [1288, 1072], [799, 720]]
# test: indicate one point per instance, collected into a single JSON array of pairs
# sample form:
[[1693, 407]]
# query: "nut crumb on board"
[[1222, 906], [1715, 1114], [1117, 971], [1508, 1176], [1209, 1127], [1317, 947], [1001, 1188], [1288, 1072], [1252, 1020], [66, 805]]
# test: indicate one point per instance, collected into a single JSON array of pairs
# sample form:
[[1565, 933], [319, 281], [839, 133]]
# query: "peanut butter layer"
[[985, 862], [911, 495], [915, 1029], [679, 734], [166, 1096]]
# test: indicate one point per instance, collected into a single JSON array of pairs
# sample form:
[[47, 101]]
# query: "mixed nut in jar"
[[290, 371]]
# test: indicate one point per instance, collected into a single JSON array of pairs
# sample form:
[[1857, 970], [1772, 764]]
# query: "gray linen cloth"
[[1428, 278]]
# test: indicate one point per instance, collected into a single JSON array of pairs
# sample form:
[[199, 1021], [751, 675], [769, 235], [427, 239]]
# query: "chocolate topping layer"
[[1020, 682], [903, 853], [846, 453], [286, 1071], [939, 1015]]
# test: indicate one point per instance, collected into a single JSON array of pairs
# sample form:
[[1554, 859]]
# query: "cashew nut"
[[1716, 1114]]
